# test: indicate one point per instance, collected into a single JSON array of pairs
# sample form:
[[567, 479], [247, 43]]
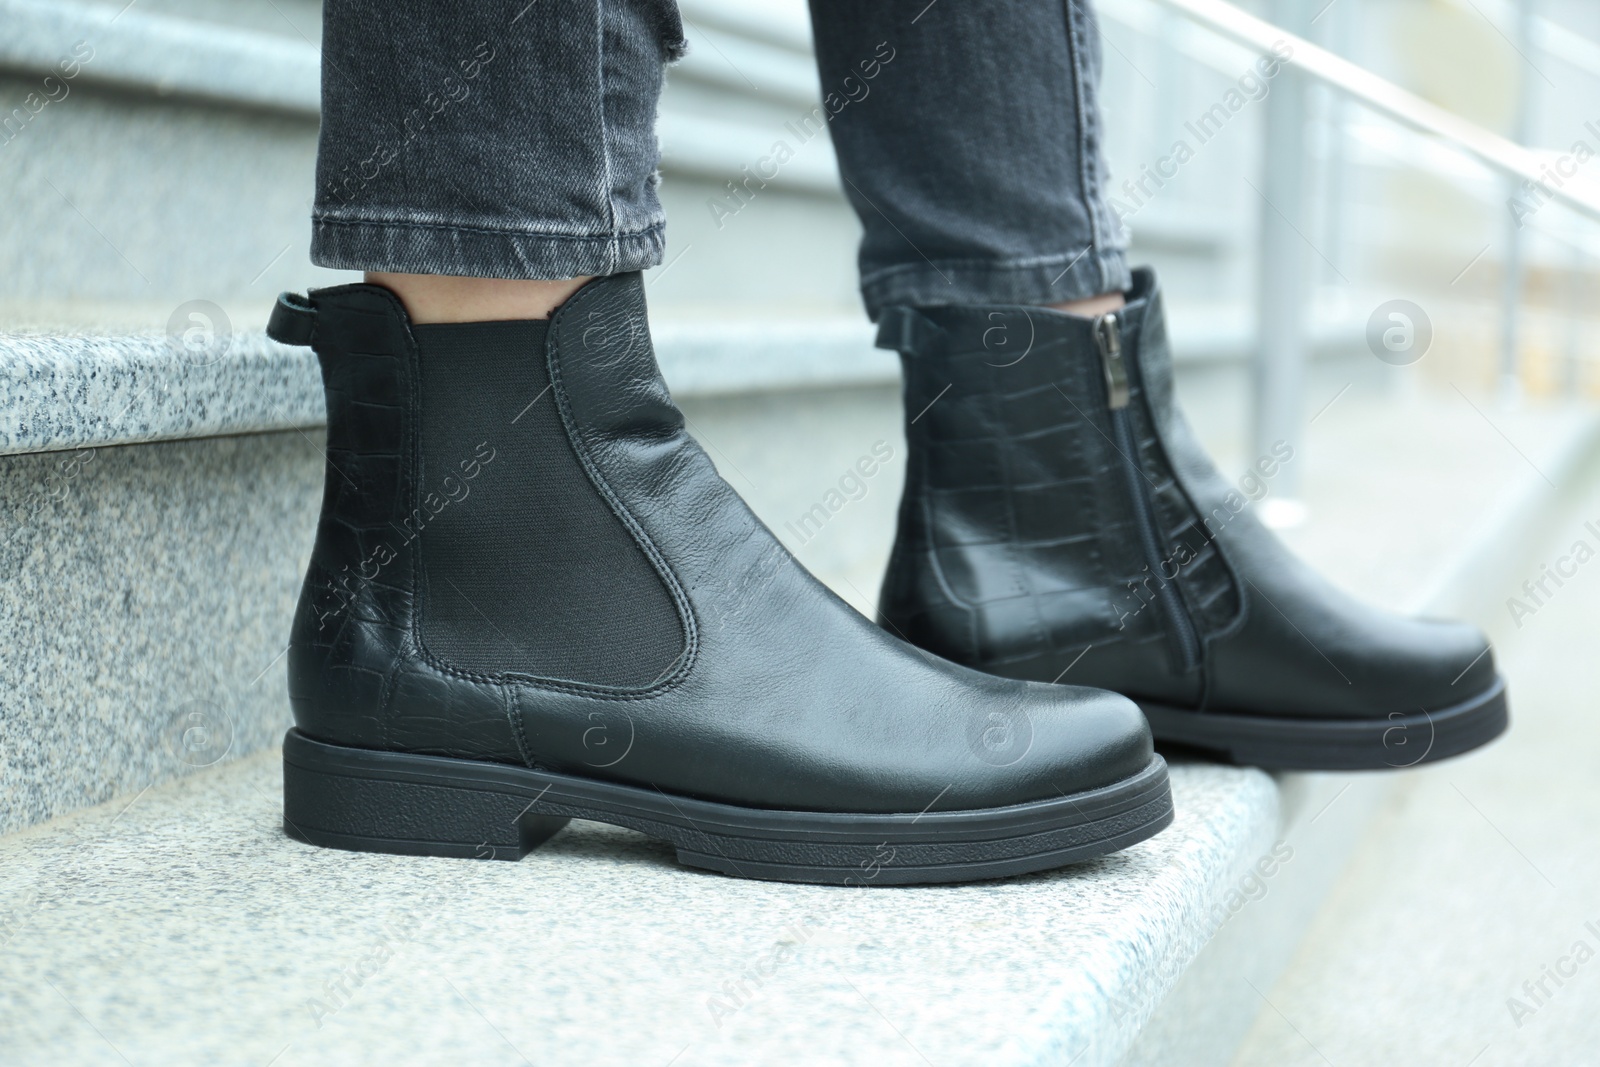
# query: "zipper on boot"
[[1108, 339]]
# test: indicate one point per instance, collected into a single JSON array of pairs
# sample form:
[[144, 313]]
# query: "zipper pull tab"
[[1108, 336]]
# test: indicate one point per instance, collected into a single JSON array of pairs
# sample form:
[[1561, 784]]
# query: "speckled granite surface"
[[67, 392], [177, 925], [63, 392], [147, 592], [185, 928]]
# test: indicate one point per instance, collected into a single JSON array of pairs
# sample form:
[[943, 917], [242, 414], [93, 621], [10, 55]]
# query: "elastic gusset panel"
[[526, 568]]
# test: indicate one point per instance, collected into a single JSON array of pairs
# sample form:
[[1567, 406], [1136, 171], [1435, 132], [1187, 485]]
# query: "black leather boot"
[[533, 599], [1060, 521]]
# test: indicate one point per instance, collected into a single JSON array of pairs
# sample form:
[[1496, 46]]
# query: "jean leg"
[[497, 139], [973, 155]]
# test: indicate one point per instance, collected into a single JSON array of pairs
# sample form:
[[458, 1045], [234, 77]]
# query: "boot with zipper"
[[1061, 523], [532, 598]]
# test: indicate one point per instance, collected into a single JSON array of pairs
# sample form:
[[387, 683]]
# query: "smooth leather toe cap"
[[1462, 651], [1310, 650], [1409, 665], [1085, 738]]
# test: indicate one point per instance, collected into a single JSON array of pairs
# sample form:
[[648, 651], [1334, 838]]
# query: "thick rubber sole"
[[370, 801], [1285, 743]]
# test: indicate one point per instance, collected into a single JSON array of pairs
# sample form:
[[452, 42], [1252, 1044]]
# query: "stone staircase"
[[160, 470]]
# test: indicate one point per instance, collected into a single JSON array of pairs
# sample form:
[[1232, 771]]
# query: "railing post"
[[1336, 30], [1512, 278], [1284, 280]]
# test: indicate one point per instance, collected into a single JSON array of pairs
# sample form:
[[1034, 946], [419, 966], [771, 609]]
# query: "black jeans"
[[510, 139]]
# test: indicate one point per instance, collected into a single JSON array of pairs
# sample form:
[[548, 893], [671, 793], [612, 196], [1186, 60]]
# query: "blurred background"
[[1441, 466], [179, 168]]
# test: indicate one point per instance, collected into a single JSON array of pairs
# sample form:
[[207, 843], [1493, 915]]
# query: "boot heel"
[[367, 801]]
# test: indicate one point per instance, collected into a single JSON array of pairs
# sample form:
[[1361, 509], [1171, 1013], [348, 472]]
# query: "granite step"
[[172, 921]]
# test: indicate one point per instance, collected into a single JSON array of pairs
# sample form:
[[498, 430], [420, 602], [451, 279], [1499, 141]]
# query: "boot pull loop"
[[905, 329], [293, 320]]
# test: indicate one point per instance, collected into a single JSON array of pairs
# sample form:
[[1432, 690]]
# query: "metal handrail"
[[1384, 96], [1548, 37]]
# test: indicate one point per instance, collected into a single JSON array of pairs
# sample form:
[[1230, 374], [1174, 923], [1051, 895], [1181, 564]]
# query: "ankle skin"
[[438, 298]]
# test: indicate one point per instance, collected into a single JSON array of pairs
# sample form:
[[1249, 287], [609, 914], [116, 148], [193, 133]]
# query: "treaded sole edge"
[[408, 804], [1284, 743]]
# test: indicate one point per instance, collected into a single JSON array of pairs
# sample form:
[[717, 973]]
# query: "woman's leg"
[[507, 141], [974, 158]]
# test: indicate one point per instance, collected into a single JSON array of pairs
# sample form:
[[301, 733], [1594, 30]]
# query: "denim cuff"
[[1036, 280], [477, 252]]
